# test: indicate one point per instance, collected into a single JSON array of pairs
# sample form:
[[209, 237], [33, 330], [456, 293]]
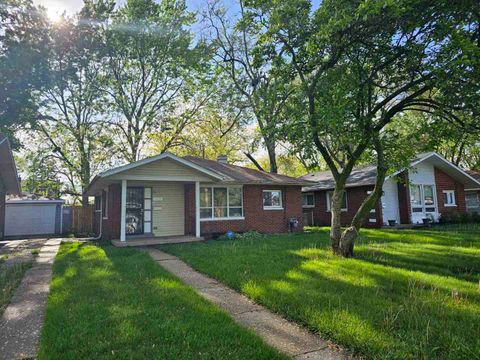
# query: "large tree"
[[357, 67], [70, 127], [23, 59], [153, 67], [265, 92]]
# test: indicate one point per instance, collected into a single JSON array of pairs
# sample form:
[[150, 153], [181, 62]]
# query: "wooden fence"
[[74, 220]]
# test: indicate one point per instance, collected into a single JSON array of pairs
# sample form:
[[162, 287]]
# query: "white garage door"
[[28, 219]]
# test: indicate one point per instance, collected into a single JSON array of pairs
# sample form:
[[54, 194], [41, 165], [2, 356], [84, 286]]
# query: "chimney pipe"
[[223, 159]]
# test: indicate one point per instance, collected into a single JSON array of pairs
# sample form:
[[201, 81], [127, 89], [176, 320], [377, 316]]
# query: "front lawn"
[[407, 294], [109, 303]]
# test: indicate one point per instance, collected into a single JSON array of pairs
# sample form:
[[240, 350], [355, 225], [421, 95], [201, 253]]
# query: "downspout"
[[101, 222]]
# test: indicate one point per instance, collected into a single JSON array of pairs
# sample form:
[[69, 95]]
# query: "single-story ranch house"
[[432, 186], [9, 183], [166, 195]]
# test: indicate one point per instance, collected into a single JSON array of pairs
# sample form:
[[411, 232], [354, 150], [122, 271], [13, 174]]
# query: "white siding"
[[390, 206], [423, 173], [29, 219]]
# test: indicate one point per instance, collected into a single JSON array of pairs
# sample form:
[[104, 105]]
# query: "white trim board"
[[441, 158]]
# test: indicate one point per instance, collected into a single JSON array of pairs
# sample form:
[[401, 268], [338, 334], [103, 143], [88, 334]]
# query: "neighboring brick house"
[[472, 196], [166, 195], [9, 183], [432, 186]]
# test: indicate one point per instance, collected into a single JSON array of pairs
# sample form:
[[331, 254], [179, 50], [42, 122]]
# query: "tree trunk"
[[336, 212], [272, 155], [349, 235]]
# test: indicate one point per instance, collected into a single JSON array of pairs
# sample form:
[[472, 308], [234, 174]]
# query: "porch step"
[[156, 241]]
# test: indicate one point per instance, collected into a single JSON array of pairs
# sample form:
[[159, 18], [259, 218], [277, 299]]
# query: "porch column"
[[123, 210], [197, 208]]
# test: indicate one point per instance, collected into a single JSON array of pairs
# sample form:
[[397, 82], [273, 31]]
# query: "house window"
[[449, 198], [415, 195], [221, 202], [308, 200], [329, 201], [422, 198], [105, 204], [272, 199], [472, 201]]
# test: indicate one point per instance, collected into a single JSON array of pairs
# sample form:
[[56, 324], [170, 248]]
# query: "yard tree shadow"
[[411, 295], [119, 304]]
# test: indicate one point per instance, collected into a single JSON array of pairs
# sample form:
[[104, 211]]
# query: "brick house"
[[430, 187], [9, 183], [166, 195]]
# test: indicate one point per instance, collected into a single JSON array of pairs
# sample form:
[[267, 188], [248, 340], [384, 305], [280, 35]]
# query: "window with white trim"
[[308, 200], [218, 202], [272, 199], [449, 198], [329, 201]]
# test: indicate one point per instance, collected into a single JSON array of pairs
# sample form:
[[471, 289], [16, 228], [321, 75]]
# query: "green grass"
[[406, 295], [10, 278], [109, 303]]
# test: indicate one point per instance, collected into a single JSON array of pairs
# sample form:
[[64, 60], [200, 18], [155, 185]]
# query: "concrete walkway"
[[286, 336], [22, 320]]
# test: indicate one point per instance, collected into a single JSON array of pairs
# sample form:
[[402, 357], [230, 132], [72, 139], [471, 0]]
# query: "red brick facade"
[[110, 225], [355, 198], [405, 208], [444, 182], [2, 213], [256, 218]]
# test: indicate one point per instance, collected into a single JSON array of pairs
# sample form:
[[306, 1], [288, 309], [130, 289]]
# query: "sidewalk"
[[285, 336], [22, 320]]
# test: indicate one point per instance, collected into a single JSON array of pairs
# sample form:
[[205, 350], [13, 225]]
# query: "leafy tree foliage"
[[357, 66], [23, 55], [73, 103], [153, 65]]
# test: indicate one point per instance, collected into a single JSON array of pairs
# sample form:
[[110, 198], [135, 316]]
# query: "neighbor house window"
[[272, 199], [429, 198], [221, 202], [105, 204], [308, 200], [422, 198], [449, 198], [329, 201]]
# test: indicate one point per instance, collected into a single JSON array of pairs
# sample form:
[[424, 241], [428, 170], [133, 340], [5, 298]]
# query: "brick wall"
[[405, 208], [256, 218], [443, 182], [2, 213], [355, 198], [111, 226]]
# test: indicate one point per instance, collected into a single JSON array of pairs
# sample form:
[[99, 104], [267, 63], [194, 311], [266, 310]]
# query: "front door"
[[134, 211]]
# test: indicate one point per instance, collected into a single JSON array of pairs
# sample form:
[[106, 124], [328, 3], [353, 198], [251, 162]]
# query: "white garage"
[[33, 217]]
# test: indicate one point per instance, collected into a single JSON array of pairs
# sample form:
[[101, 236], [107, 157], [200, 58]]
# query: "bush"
[[454, 217]]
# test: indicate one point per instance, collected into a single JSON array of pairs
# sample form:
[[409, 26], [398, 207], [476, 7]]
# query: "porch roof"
[[202, 170], [366, 175]]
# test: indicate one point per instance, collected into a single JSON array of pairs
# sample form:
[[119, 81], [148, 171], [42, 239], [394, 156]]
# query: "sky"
[[56, 7]]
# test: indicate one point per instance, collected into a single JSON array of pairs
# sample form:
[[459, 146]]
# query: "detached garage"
[[33, 217]]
